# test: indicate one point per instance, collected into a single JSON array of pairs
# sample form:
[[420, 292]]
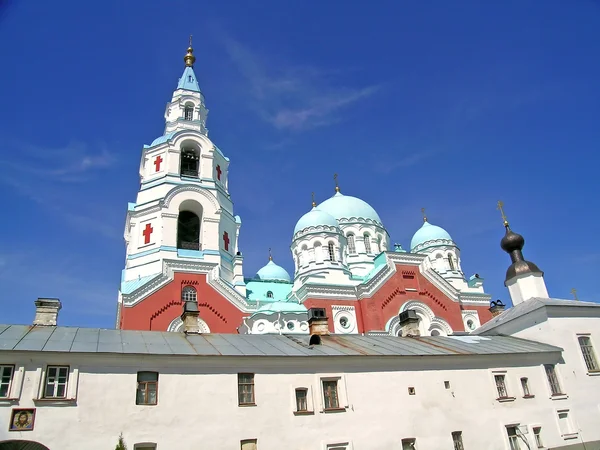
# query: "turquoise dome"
[[281, 307], [346, 207], [161, 139], [273, 272], [315, 218], [428, 232]]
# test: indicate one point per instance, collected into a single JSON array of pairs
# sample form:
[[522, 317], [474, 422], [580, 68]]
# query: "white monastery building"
[[365, 347]]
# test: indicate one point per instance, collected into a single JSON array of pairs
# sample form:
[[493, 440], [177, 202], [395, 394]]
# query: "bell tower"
[[182, 222]]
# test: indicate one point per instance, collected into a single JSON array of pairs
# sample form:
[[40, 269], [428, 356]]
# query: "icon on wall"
[[22, 419]]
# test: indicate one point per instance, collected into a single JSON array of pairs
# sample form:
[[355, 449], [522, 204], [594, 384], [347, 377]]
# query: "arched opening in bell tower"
[[188, 231], [190, 159]]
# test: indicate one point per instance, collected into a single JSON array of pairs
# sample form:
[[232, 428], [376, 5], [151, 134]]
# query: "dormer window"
[[188, 112], [189, 162]]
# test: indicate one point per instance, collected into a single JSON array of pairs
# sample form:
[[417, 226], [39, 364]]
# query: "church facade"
[[183, 243]]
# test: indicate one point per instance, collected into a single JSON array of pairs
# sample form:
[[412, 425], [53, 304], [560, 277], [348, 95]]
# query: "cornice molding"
[[218, 284], [317, 230], [166, 201]]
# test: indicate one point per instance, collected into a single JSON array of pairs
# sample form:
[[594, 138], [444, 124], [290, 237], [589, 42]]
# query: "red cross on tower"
[[147, 232], [226, 240], [218, 172], [157, 162]]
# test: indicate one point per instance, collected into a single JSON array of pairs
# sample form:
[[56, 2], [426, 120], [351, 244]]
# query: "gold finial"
[[424, 215], [501, 209], [270, 256], [314, 204], [574, 292], [189, 58], [335, 178]]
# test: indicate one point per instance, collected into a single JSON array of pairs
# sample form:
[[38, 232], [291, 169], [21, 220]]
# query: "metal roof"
[[528, 306], [95, 340]]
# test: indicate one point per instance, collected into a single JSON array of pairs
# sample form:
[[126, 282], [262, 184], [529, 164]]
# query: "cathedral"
[[182, 239]]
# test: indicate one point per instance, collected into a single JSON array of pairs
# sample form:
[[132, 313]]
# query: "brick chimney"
[[409, 323], [190, 317], [497, 307], [317, 322], [46, 311]]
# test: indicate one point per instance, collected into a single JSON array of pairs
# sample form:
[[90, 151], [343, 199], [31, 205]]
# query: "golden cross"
[[501, 208], [424, 215], [270, 256], [574, 292], [313, 199], [190, 40], [335, 178]]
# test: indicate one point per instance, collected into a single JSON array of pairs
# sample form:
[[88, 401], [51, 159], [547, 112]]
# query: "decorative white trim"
[[177, 324], [166, 201]]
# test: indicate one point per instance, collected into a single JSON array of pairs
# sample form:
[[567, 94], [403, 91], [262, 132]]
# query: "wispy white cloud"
[[293, 98], [409, 159]]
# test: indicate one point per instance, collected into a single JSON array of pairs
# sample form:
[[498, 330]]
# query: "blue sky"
[[444, 105]]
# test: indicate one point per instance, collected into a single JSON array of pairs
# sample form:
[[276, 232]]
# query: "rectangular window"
[[246, 388], [513, 438], [457, 440], [330, 394], [537, 435], [564, 422], [501, 386], [147, 388], [6, 375], [57, 378], [145, 446], [525, 386], [409, 444], [302, 400], [248, 444], [588, 353], [553, 379]]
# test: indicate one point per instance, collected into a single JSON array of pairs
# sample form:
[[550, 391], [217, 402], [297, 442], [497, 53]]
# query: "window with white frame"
[[450, 261], [189, 294], [500, 381], [147, 388], [513, 437], [6, 376], [246, 389], [537, 436], [409, 444], [57, 378], [341, 446], [367, 240], [189, 112], [331, 398], [144, 446], [565, 423], [302, 400], [331, 251], [351, 244], [589, 356], [457, 440], [553, 379], [525, 387]]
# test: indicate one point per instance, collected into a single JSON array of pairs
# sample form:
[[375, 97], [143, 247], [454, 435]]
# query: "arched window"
[[450, 261], [378, 244], [189, 294], [189, 162], [188, 231], [188, 112], [351, 245], [367, 240], [331, 250], [269, 294]]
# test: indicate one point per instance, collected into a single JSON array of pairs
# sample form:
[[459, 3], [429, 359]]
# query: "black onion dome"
[[512, 241]]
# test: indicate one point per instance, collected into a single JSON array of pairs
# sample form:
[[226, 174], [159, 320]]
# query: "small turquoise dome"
[[281, 307], [273, 272], [346, 207], [161, 139], [315, 218], [427, 233]]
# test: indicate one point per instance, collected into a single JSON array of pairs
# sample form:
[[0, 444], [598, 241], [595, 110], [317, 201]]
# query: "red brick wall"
[[159, 309]]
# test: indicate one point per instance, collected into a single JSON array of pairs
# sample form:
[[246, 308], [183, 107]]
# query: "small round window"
[[470, 324], [344, 322], [290, 326], [269, 294]]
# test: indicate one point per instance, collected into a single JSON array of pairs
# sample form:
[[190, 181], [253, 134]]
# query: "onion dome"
[[316, 217], [513, 243], [428, 233], [342, 206], [273, 272]]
